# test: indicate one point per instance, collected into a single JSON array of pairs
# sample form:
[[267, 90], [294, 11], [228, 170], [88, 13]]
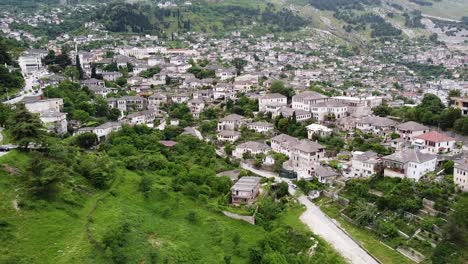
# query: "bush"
[[192, 217]]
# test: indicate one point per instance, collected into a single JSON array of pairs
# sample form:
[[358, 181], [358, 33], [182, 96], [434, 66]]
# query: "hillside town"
[[330, 120]]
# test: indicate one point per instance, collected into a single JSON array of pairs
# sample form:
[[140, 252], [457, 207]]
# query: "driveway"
[[321, 225]]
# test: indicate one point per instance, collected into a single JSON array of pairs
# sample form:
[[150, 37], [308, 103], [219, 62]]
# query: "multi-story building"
[[271, 102], [434, 142], [30, 64], [411, 129], [305, 100], [365, 164], [49, 111], [128, 102], [251, 147], [460, 103], [460, 174], [359, 106], [245, 190], [409, 163], [230, 122], [329, 109]]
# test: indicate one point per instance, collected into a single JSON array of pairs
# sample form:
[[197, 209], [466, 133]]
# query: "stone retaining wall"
[[247, 218]]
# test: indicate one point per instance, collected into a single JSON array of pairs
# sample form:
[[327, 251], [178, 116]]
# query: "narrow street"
[[321, 225], [27, 90]]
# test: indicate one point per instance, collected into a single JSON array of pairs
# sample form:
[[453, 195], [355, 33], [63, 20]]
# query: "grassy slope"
[[56, 232], [453, 9]]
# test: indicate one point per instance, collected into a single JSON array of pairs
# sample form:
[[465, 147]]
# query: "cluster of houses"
[[418, 150], [356, 83]]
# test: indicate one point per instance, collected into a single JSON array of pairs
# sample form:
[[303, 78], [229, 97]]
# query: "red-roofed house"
[[434, 142]]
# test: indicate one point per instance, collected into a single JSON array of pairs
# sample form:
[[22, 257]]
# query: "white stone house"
[[143, 117], [196, 106], [359, 106], [320, 111], [156, 100], [245, 190], [180, 98], [304, 100], [251, 147], [111, 76], [376, 124], [411, 129], [55, 122], [261, 127], [102, 131], [365, 164], [274, 100], [301, 115], [128, 102], [230, 122], [49, 111], [460, 174], [228, 136], [318, 130], [409, 163], [434, 142]]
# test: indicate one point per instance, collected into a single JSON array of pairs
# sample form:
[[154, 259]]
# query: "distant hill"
[[201, 17]]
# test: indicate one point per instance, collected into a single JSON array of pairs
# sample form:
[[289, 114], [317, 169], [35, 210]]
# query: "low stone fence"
[[247, 218]]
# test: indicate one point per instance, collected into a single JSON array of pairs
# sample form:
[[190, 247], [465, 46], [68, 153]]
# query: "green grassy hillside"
[[172, 216]]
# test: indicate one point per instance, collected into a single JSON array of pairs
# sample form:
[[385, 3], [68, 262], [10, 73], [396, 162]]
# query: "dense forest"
[[139, 18], [379, 27], [335, 5]]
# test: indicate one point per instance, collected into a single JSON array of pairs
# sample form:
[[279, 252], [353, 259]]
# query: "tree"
[[281, 190], [363, 213], [114, 114], [461, 125], [239, 64], [121, 81], [382, 110], [278, 87], [192, 217], [44, 176], [86, 140], [72, 73], [5, 114], [78, 67], [26, 127], [80, 115], [454, 93], [448, 117], [145, 186]]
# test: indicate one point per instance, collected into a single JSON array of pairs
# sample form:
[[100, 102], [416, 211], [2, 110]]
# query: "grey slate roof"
[[232, 117], [378, 121], [254, 146], [246, 183], [410, 155], [308, 146], [412, 126]]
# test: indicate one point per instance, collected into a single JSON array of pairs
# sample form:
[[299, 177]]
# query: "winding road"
[[320, 224]]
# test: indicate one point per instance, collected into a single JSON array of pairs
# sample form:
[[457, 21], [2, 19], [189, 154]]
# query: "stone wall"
[[247, 218]]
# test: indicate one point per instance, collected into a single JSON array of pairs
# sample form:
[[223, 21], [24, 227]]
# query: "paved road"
[[30, 81], [320, 224], [323, 226]]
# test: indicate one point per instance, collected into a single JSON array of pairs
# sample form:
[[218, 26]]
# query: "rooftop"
[[434, 136]]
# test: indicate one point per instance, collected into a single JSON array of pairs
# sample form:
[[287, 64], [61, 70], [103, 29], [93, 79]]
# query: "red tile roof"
[[435, 136]]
